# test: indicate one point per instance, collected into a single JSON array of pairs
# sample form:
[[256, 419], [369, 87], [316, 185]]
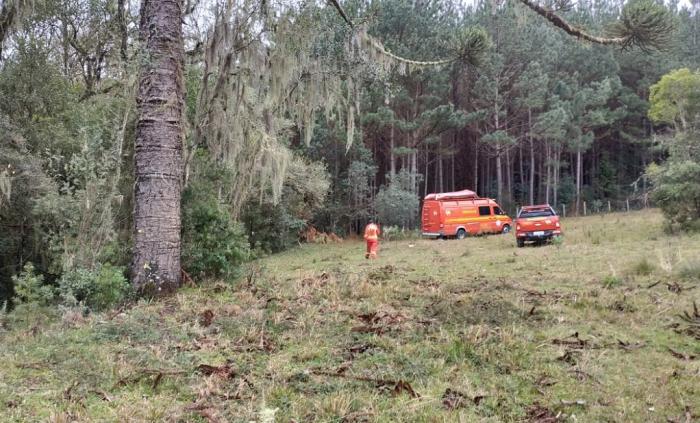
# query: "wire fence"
[[586, 208]]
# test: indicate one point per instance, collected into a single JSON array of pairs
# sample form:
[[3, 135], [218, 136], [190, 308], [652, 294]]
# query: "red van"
[[462, 213], [536, 223]]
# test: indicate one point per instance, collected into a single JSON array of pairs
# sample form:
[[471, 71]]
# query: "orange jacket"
[[372, 232]]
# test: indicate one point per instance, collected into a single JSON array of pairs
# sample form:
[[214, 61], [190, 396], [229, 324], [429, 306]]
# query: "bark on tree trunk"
[[158, 152]]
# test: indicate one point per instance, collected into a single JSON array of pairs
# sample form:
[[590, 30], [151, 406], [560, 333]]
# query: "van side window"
[[484, 211], [497, 210]]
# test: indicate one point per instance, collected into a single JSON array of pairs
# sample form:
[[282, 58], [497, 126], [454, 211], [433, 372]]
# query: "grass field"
[[475, 330]]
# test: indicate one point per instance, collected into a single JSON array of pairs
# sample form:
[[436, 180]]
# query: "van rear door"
[[431, 218]]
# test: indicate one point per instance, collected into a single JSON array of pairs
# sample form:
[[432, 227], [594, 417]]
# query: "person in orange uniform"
[[372, 238]]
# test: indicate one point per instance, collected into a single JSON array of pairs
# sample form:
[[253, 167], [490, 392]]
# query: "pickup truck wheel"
[[506, 229], [521, 243], [461, 234]]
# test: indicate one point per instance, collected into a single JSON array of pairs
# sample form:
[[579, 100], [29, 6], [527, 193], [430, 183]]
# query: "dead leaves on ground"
[[453, 400], [629, 346], [674, 287], [224, 372], [574, 341], [155, 375], [395, 387], [206, 318], [687, 417], [682, 356], [538, 413], [690, 323], [381, 321]]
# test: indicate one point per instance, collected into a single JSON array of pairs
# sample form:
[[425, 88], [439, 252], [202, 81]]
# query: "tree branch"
[[642, 23], [563, 24]]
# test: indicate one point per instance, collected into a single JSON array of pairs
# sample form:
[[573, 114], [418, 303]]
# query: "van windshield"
[[536, 213]]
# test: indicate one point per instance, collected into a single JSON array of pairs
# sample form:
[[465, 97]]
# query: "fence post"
[[646, 195], [563, 206], [584, 208], [609, 208], [627, 201]]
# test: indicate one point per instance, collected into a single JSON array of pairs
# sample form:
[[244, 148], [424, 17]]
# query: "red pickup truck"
[[536, 223]]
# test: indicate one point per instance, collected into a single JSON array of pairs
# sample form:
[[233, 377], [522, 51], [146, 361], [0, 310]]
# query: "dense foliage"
[[675, 101]]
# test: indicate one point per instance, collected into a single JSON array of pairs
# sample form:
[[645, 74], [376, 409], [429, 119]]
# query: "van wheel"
[[506, 229], [461, 234], [521, 243]]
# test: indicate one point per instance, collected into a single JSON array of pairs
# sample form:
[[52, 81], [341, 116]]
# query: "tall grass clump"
[[643, 267]]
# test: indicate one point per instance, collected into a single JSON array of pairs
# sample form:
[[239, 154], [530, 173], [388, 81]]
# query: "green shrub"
[[30, 287], [275, 226], [643, 268], [396, 205], [611, 281], [98, 289], [271, 227], [213, 245], [690, 270], [677, 191], [558, 241]]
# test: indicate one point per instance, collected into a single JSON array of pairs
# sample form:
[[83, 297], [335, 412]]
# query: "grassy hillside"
[[472, 330]]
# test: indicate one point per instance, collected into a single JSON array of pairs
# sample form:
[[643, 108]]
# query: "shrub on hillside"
[[97, 289], [677, 191], [395, 204], [275, 226], [213, 245], [30, 288]]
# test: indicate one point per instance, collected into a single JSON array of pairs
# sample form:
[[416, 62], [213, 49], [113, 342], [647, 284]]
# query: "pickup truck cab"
[[536, 223]]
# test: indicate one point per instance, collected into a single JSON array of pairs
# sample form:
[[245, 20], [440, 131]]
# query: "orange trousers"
[[372, 247]]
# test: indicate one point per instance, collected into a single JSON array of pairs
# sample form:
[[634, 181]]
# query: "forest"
[[305, 114]]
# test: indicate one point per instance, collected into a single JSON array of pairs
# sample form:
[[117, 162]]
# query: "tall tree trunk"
[[158, 152], [452, 164], [509, 176], [123, 30], [557, 167], [414, 171], [578, 178], [436, 174], [476, 161], [532, 158], [548, 163], [521, 172], [487, 177], [440, 170], [392, 156], [425, 185]]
